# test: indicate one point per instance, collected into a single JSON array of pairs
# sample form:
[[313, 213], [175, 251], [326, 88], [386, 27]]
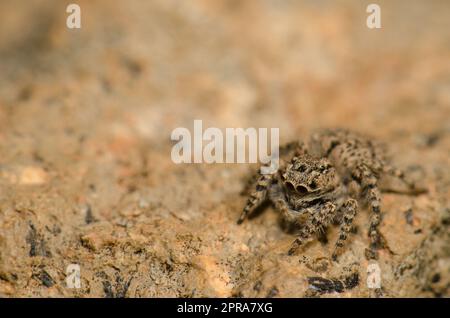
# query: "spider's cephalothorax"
[[308, 181], [311, 190]]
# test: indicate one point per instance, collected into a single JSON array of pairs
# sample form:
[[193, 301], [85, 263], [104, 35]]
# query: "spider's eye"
[[313, 185], [302, 168], [290, 186], [301, 189]]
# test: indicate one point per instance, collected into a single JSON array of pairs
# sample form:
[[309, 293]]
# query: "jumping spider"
[[322, 183]]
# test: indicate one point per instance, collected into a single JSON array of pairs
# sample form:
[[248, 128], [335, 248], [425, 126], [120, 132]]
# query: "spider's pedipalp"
[[278, 199]]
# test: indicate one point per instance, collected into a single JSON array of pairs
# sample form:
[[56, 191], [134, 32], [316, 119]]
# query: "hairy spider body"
[[322, 184]]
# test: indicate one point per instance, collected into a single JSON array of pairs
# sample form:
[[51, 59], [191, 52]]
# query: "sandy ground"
[[86, 175]]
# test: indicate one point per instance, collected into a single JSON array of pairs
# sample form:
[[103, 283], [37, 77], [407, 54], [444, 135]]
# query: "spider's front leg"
[[350, 209], [320, 218], [258, 196]]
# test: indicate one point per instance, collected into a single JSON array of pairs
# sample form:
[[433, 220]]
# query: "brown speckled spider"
[[321, 184]]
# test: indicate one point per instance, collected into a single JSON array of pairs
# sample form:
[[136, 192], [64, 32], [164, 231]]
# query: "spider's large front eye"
[[290, 186], [301, 189]]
